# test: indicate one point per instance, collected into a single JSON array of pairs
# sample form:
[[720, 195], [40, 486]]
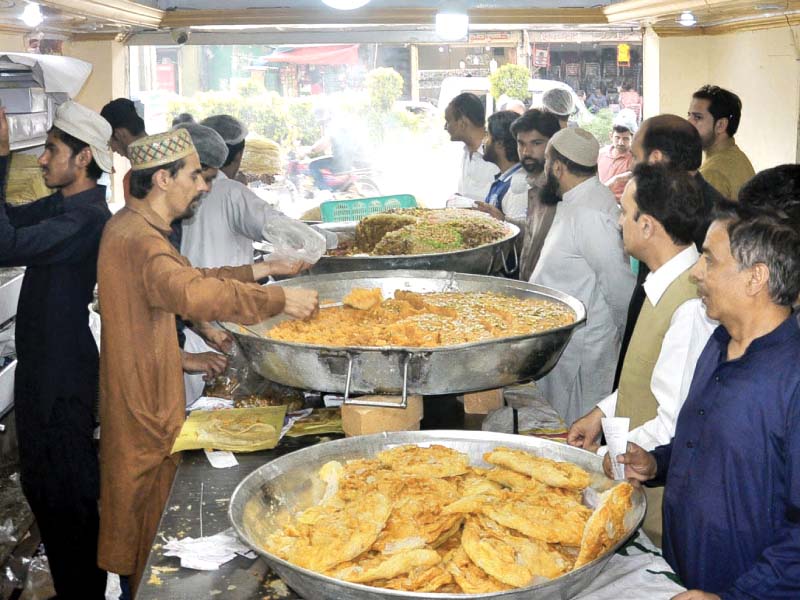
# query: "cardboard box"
[[364, 420], [482, 403]]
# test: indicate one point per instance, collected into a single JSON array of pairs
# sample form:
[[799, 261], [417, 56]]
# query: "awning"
[[341, 54]]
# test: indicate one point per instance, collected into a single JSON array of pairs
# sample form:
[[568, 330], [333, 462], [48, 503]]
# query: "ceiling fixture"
[[452, 25], [345, 4], [32, 15], [687, 19]]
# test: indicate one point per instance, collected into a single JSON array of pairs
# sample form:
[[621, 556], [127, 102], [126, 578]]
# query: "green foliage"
[[385, 86], [511, 80], [600, 126], [250, 88]]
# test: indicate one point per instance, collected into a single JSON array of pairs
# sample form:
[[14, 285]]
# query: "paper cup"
[[616, 431]]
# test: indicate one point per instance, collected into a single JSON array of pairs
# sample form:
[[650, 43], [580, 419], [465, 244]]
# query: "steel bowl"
[[266, 499], [396, 370], [495, 257]]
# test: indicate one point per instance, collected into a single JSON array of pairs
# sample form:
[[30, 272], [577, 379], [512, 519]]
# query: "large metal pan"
[[393, 370], [483, 260], [269, 495]]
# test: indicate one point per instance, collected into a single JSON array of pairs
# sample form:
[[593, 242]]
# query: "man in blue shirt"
[[732, 471]]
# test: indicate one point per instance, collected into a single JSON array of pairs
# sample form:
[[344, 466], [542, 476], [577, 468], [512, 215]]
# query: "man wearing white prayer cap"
[[56, 382], [559, 102], [583, 256]]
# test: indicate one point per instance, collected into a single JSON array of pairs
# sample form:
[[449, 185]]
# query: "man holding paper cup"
[[731, 472], [661, 210]]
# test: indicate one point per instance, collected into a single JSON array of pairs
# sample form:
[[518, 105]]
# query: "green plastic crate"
[[334, 211]]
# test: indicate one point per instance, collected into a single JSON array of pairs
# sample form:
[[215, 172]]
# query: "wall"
[[762, 67], [12, 42]]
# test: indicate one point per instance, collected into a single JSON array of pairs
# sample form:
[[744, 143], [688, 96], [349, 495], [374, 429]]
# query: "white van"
[[453, 86]]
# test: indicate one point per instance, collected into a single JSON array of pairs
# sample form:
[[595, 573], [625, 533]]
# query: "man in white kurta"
[[583, 256]]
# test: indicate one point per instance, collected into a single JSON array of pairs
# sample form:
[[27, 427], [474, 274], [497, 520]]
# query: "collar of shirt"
[[659, 280], [536, 180], [142, 208], [609, 151], [579, 189], [94, 194], [780, 334], [506, 175], [470, 155], [721, 147]]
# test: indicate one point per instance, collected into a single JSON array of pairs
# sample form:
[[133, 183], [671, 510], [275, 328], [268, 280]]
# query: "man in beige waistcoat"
[[660, 213]]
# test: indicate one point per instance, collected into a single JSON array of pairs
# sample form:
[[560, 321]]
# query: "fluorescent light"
[[687, 19], [452, 25], [345, 4], [32, 15]]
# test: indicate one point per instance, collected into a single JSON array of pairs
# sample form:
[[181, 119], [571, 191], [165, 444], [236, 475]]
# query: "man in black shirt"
[[56, 383], [672, 140]]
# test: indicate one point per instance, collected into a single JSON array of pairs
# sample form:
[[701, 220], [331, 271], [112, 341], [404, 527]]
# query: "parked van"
[[453, 86]]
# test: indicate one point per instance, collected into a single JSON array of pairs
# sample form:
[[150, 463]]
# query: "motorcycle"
[[357, 181]]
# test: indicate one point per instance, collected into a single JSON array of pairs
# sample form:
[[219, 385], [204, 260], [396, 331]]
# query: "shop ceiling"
[[244, 21]]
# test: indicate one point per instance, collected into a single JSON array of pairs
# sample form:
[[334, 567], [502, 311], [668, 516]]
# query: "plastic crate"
[[334, 211]]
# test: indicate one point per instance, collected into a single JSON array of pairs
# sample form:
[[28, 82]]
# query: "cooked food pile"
[[423, 231], [423, 520], [417, 320]]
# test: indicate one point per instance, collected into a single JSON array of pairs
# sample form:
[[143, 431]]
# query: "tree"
[[511, 80], [385, 86]]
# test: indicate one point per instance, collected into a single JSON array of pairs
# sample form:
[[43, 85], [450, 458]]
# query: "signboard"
[[573, 70], [541, 57], [623, 55]]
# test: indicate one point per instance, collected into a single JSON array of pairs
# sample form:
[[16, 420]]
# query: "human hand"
[[619, 177], [219, 339], [487, 208], [696, 595], [640, 465], [300, 303], [585, 432], [5, 144], [210, 364], [278, 266]]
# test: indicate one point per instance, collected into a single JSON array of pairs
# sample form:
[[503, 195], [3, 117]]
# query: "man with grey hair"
[[731, 473], [583, 256]]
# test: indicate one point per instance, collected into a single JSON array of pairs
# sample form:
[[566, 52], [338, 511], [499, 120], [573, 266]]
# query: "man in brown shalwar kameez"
[[143, 283]]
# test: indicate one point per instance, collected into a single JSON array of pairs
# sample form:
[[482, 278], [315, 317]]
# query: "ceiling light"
[[452, 25], [32, 15], [345, 4], [687, 19]]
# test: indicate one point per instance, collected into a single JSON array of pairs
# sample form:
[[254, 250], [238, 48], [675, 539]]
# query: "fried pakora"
[[421, 519]]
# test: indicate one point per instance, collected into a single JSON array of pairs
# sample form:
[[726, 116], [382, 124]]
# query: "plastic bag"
[[293, 239], [39, 582]]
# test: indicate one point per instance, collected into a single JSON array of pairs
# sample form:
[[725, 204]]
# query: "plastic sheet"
[[39, 582], [294, 240]]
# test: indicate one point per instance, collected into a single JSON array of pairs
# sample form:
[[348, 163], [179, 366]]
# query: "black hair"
[[621, 129], [572, 166], [183, 118], [676, 138], [470, 106], [499, 128], [673, 198], [93, 170], [776, 189], [233, 150], [536, 119], [142, 181], [722, 104], [122, 113]]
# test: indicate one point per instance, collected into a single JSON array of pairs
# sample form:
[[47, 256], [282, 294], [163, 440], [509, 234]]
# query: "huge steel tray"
[[267, 497], [395, 370], [496, 257]]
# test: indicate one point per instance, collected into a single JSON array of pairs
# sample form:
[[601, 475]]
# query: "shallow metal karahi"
[[394, 370], [483, 260], [266, 498]]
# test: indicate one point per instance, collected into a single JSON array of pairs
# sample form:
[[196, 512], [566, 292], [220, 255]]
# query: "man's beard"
[[489, 154], [707, 140], [550, 194], [532, 165], [192, 208]]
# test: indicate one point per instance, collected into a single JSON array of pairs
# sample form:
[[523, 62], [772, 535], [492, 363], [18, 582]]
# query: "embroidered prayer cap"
[[559, 102], [232, 130], [210, 146], [89, 127], [576, 144], [161, 149]]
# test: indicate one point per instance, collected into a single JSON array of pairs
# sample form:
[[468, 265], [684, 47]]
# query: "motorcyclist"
[[340, 146]]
